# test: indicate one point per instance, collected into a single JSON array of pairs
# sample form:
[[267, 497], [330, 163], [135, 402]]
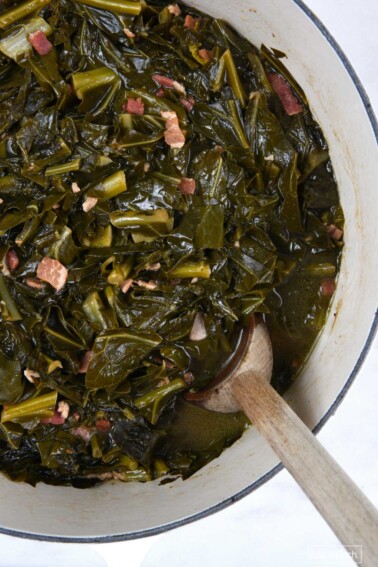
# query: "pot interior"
[[118, 510]]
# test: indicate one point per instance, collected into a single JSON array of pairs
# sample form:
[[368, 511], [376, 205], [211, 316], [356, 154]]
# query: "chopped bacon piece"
[[134, 106], [187, 186], [63, 409], [328, 287], [287, 97], [179, 87], [174, 9], [153, 267], [52, 272], [206, 55], [190, 22], [89, 203], [147, 285], [198, 332], [188, 377], [128, 33], [40, 42], [333, 231], [187, 104], [60, 415], [270, 157], [164, 81], [75, 188], [31, 375], [168, 364], [1, 201], [84, 364], [84, 432], [12, 260], [160, 92], [103, 425], [126, 285], [101, 476], [33, 282], [55, 419], [173, 135]]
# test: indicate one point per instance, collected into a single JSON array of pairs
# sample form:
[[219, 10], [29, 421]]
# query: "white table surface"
[[275, 525]]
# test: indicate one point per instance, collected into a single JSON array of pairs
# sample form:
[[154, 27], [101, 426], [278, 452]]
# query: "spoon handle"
[[345, 508]]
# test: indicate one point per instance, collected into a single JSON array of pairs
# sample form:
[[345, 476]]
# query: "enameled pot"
[[116, 511]]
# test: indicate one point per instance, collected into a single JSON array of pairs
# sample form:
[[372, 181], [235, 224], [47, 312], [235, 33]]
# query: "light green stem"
[[73, 165], [21, 11], [41, 406], [116, 6], [191, 270]]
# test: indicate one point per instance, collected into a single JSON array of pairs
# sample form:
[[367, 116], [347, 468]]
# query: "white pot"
[[114, 511]]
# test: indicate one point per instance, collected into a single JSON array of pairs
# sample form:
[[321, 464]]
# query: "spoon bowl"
[[254, 355]]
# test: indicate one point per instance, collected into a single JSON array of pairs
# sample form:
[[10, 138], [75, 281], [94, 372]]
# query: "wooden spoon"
[[348, 512]]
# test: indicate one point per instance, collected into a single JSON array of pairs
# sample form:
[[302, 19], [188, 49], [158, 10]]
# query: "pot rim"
[[270, 474]]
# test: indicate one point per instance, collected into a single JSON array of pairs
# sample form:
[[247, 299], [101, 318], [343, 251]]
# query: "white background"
[[275, 525]]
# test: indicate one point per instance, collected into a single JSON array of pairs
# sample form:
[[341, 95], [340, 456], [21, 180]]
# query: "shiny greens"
[[92, 377]]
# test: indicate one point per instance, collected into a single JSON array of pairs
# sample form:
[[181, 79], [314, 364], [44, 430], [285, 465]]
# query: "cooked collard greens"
[[161, 180]]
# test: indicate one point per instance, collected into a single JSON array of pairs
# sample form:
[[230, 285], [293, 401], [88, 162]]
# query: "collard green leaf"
[[11, 383], [210, 173], [115, 354]]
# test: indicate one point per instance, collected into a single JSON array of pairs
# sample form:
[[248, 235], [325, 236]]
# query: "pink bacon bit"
[[160, 92], [52, 272], [206, 55], [285, 94], [187, 186], [163, 81], [190, 22], [60, 415], [169, 83], [84, 364], [328, 287], [333, 232], [128, 33], [187, 103], [174, 9], [153, 267], [33, 282], [55, 419], [134, 106], [126, 285], [75, 188], [146, 285], [31, 375], [103, 425], [40, 42], [188, 377], [84, 432], [89, 203], [173, 135], [12, 260]]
